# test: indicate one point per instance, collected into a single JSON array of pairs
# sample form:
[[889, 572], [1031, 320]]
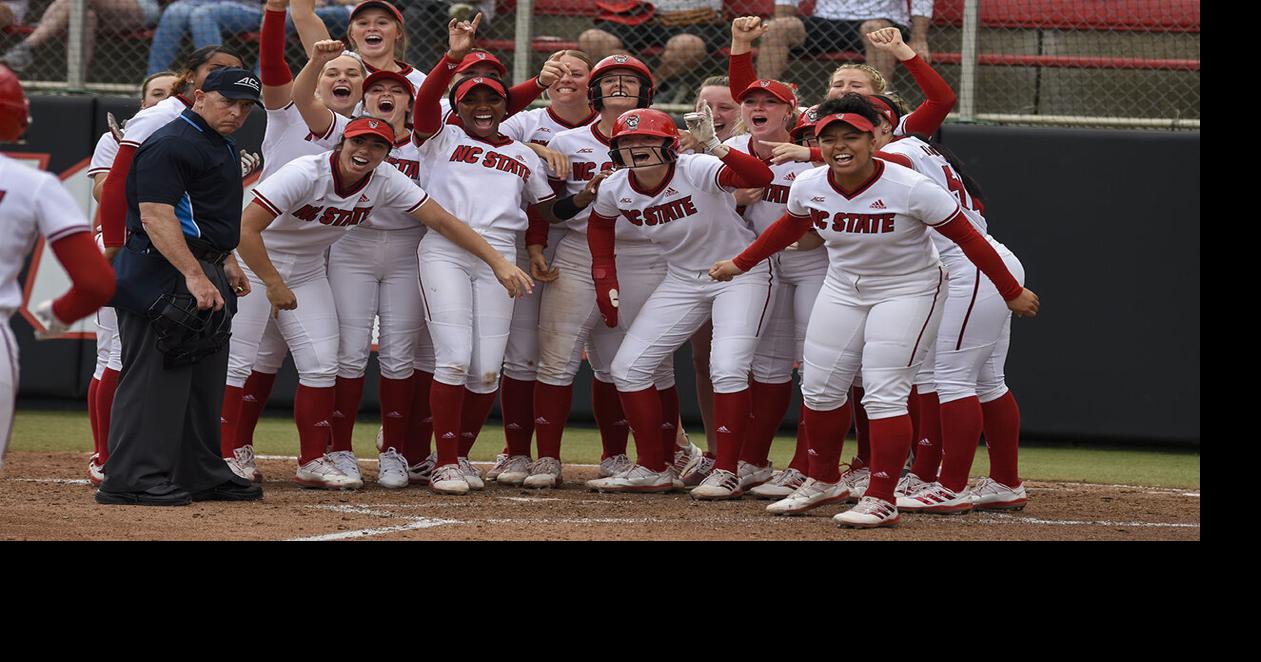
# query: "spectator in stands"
[[118, 15], [12, 12], [689, 30], [210, 21], [840, 25]]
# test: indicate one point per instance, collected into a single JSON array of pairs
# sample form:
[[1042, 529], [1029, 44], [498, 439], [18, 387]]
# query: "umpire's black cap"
[[234, 83]]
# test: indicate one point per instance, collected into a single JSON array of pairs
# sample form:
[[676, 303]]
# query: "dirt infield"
[[45, 496]]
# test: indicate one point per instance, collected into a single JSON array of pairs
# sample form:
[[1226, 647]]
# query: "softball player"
[[109, 352], [683, 205], [568, 317], [468, 319], [297, 214], [965, 374], [287, 137], [881, 301], [35, 203]]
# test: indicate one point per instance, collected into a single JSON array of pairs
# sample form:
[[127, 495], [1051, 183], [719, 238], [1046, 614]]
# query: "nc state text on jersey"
[[492, 159]]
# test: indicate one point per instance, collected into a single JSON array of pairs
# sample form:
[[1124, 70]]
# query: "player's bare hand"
[[552, 70], [326, 50], [782, 153], [1025, 305], [747, 196], [687, 142], [461, 35], [110, 252], [236, 278], [538, 265], [556, 162], [746, 29], [890, 41], [205, 292], [588, 193], [724, 270], [281, 298], [517, 282]]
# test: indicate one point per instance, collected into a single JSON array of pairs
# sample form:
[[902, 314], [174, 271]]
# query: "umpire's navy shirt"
[[188, 165]]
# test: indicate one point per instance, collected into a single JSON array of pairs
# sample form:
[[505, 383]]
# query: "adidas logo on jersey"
[[670, 191], [790, 177], [878, 204], [363, 198]]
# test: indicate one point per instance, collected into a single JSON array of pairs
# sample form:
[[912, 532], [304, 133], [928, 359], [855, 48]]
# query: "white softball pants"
[[8, 381], [109, 348], [521, 359], [798, 279]]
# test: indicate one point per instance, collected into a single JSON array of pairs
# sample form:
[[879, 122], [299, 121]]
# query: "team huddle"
[[493, 247]]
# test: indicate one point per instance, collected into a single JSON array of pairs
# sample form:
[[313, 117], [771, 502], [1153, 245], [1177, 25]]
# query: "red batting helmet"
[[645, 122], [806, 121], [15, 111], [625, 63]]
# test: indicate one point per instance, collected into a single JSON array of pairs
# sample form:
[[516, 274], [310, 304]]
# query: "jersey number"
[[961, 192]]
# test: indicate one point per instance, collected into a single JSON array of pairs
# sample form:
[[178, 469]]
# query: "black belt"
[[199, 248]]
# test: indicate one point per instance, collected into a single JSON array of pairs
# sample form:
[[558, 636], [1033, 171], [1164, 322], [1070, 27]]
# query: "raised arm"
[[274, 71], [432, 214], [319, 119], [311, 28], [744, 31], [427, 111], [939, 99]]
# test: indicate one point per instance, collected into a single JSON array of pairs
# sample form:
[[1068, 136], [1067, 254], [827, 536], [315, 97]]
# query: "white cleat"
[[614, 465], [544, 474], [96, 472], [683, 456], [908, 485], [501, 461], [514, 472], [810, 495], [635, 479], [698, 470], [935, 498], [347, 463], [245, 457], [752, 475], [719, 484], [856, 480], [449, 479], [322, 473], [420, 472], [868, 514], [471, 475], [780, 485], [989, 494], [392, 470]]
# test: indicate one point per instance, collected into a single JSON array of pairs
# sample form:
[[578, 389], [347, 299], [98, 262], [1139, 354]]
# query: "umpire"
[[176, 294]]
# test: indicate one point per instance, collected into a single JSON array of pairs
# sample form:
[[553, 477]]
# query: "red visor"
[[370, 126], [884, 109], [775, 88], [377, 4], [467, 86], [481, 57], [378, 76], [857, 121]]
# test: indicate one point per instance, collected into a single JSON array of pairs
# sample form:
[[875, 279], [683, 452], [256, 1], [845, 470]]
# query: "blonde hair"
[[794, 113], [577, 55], [878, 83]]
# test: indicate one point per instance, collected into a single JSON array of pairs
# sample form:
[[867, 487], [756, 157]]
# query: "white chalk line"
[[998, 518], [417, 523], [59, 481]]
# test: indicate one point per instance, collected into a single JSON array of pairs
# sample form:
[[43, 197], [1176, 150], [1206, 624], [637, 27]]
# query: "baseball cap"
[[468, 84], [370, 126], [775, 88], [481, 57], [395, 76], [234, 83], [857, 121], [378, 4]]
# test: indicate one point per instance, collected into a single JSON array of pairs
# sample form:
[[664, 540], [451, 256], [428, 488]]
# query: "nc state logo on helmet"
[[645, 122], [15, 113], [614, 65]]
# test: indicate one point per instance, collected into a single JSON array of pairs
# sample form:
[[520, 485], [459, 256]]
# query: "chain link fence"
[[1118, 63]]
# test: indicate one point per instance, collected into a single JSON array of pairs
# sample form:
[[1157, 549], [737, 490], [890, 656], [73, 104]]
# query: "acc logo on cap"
[[621, 59], [632, 122], [250, 83]]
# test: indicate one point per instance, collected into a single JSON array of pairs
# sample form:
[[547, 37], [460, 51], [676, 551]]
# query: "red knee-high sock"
[[516, 405], [961, 422], [1002, 438], [890, 442], [396, 397], [826, 431], [801, 456], [770, 403], [446, 402], [473, 417], [928, 440], [606, 405], [93, 420], [861, 430], [229, 419], [912, 409], [257, 391], [105, 405], [731, 415], [349, 393], [669, 420], [419, 421], [643, 410], [551, 407], [313, 412]]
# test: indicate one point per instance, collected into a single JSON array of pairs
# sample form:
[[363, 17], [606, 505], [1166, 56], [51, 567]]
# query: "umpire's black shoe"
[[230, 491], [163, 495]]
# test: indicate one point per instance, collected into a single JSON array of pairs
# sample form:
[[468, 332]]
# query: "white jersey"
[[103, 155], [286, 138], [879, 229], [147, 122], [588, 153], [690, 216], [930, 163], [32, 203], [404, 155], [485, 184], [313, 207], [540, 126]]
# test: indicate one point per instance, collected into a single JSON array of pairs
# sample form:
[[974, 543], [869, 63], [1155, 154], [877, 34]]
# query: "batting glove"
[[701, 126], [249, 163], [606, 296]]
